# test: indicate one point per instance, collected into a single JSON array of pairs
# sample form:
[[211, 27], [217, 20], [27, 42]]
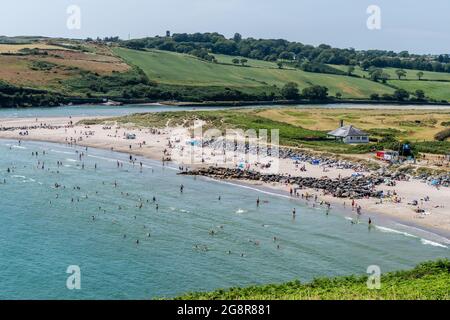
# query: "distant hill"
[[93, 70]]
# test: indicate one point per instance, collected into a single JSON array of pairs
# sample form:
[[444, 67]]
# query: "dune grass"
[[307, 128]]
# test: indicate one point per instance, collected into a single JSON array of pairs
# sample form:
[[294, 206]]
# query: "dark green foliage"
[[320, 68], [12, 96], [429, 280], [400, 95], [273, 49], [442, 135], [315, 93], [42, 65], [116, 84], [290, 91]]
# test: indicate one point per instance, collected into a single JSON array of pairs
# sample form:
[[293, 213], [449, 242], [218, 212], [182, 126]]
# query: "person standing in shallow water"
[[257, 202]]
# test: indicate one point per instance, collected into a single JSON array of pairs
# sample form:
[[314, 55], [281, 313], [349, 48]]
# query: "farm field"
[[15, 48], [50, 71], [181, 69], [436, 85], [438, 90], [410, 74]]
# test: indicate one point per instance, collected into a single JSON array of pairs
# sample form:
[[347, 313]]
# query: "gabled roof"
[[347, 131]]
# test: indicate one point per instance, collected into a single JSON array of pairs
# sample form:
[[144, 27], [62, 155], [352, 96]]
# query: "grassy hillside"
[[434, 89], [427, 281], [51, 66], [180, 69], [81, 69], [436, 85]]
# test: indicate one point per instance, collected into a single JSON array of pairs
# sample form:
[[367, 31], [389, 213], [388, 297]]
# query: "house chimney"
[[341, 123]]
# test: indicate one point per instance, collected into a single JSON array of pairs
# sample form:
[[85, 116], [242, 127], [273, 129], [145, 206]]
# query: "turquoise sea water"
[[42, 231]]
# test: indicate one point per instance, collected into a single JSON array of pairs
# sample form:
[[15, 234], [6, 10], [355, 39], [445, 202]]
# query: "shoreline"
[[400, 104], [440, 235], [151, 146]]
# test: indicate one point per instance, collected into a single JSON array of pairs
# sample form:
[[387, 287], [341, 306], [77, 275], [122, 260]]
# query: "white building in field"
[[350, 134]]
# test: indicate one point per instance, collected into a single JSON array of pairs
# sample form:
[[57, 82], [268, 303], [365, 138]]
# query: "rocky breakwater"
[[355, 187]]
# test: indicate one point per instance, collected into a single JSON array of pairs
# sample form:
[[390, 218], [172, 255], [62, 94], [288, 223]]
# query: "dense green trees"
[[400, 95], [290, 91], [274, 49], [315, 93], [400, 73], [377, 74], [419, 75]]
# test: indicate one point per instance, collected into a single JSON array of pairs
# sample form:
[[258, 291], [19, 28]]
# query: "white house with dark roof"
[[350, 134]]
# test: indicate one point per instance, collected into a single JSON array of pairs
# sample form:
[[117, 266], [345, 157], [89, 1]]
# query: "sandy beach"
[[171, 143]]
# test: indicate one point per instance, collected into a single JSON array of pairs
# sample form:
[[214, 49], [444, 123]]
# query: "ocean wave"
[[63, 152], [17, 176], [389, 230], [239, 211], [434, 235], [422, 240], [432, 243]]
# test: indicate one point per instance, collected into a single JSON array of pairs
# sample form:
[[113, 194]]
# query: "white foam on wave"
[[63, 152], [432, 243], [17, 176], [71, 160], [240, 211], [434, 235], [422, 240], [389, 230], [18, 147]]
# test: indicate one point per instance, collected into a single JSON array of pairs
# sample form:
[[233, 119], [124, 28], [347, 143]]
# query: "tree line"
[[204, 45]]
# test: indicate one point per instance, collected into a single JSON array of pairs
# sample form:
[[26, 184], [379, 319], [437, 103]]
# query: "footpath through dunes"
[[172, 68]]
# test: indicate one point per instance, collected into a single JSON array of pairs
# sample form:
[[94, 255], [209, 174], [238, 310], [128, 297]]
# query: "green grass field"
[[436, 85], [434, 89], [410, 74], [180, 69], [427, 281]]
